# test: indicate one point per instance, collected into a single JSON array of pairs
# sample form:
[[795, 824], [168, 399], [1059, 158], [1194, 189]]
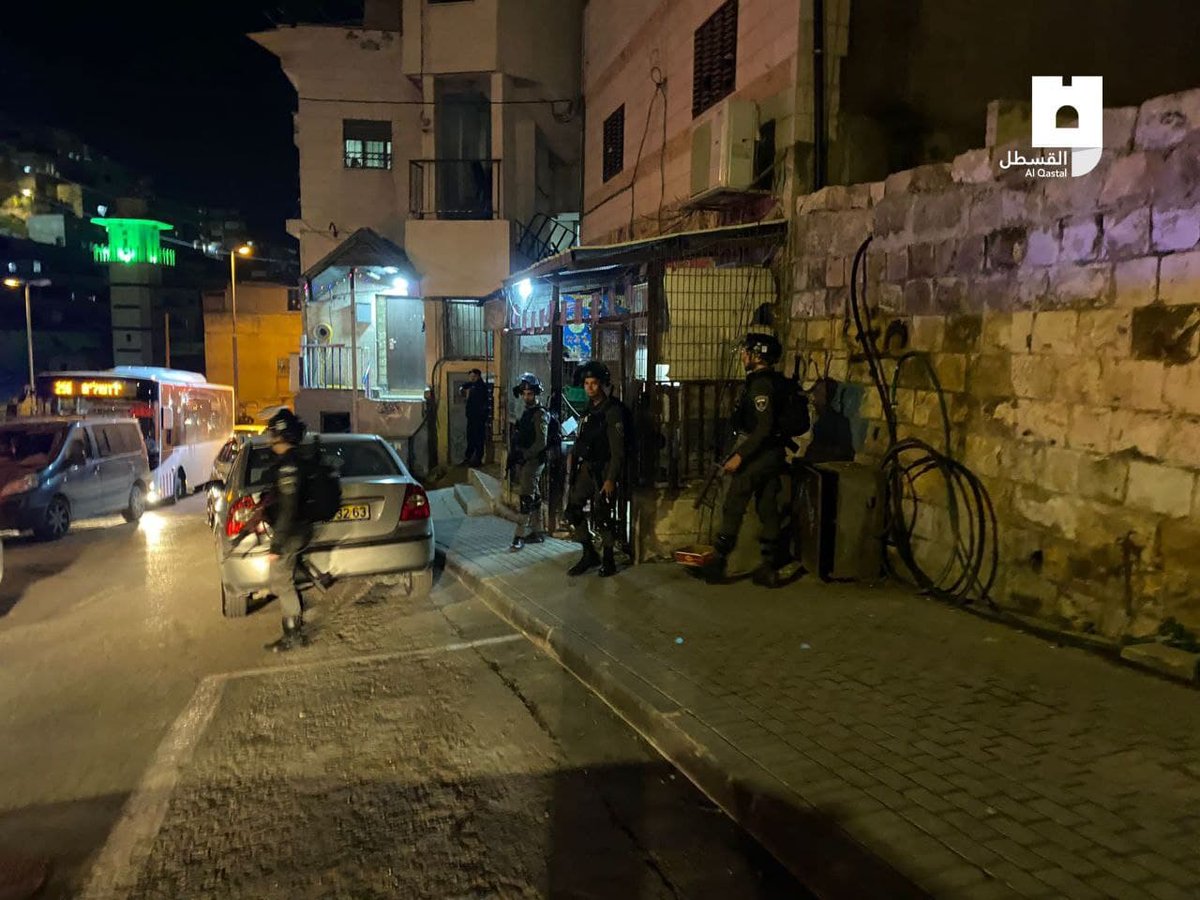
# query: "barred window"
[[715, 58], [368, 144], [614, 143]]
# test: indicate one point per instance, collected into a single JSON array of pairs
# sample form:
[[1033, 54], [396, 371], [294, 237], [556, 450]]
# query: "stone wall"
[[1062, 319]]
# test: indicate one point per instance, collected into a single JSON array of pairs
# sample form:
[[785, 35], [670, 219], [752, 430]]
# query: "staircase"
[[543, 236]]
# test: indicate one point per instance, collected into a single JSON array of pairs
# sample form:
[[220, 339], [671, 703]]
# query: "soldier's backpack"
[[791, 400], [322, 491]]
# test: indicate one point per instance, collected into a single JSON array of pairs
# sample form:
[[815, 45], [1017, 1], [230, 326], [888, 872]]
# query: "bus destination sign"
[[115, 389]]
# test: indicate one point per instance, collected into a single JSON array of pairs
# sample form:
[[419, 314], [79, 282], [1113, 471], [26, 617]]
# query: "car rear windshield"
[[30, 446], [349, 459]]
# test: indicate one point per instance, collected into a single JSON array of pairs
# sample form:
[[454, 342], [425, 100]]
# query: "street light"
[[245, 250], [27, 284]]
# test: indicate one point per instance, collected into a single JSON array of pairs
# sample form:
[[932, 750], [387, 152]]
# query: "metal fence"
[[329, 367], [467, 336]]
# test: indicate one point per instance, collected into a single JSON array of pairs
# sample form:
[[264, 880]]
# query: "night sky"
[[172, 90]]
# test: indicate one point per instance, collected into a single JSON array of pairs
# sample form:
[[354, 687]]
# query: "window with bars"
[[368, 144], [715, 52], [614, 143]]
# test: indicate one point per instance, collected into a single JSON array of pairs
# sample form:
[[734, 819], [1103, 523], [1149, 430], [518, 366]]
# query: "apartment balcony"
[[454, 189]]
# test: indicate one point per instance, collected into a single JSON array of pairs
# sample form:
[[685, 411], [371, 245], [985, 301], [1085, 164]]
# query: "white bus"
[[184, 419]]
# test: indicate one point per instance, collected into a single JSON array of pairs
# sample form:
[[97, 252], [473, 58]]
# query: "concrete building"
[[438, 155], [269, 330]]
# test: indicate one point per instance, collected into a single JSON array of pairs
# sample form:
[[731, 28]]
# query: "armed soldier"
[[596, 465], [290, 530], [529, 456], [757, 464]]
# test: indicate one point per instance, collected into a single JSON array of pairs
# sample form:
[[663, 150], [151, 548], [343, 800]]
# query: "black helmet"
[[765, 346], [528, 381], [284, 426], [593, 369]]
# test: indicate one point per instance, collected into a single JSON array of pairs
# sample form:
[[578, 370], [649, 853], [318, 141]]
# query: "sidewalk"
[[880, 744]]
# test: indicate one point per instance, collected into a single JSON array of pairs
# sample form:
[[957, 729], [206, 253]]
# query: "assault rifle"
[[716, 473], [257, 525]]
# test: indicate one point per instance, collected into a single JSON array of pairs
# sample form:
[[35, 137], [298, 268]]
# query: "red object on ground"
[[695, 555]]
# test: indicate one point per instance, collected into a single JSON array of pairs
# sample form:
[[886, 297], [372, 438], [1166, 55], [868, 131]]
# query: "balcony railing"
[[328, 367], [454, 188]]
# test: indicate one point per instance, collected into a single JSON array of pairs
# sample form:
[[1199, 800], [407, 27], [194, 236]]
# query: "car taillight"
[[239, 515], [416, 504]]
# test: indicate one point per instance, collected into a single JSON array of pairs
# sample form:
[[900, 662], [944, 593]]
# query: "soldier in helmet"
[[596, 464], [529, 456], [757, 464], [290, 530]]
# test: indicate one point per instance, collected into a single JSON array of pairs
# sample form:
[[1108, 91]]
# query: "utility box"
[[838, 515], [723, 148]]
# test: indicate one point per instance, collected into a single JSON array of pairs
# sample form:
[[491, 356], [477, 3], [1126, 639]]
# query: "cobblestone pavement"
[[421, 748], [975, 760]]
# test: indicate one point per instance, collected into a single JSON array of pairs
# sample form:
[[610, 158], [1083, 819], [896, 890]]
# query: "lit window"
[[368, 144]]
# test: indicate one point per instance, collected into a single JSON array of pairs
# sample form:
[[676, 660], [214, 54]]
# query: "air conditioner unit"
[[723, 148]]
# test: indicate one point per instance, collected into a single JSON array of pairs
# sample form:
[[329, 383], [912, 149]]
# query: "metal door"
[[81, 481], [406, 345]]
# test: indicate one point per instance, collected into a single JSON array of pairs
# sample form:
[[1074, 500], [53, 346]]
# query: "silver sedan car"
[[383, 525]]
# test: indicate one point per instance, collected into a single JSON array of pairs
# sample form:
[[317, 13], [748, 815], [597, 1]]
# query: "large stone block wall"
[[1062, 319]]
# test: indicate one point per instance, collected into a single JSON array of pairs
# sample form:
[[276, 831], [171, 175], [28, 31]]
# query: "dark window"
[[715, 50], [368, 144], [614, 143]]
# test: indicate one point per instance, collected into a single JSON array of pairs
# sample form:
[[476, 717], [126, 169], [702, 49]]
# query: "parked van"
[[57, 470]]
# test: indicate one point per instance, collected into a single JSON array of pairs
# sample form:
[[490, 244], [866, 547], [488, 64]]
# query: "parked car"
[[383, 525], [54, 471], [215, 505]]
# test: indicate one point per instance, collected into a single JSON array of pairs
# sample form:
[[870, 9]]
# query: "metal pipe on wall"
[[820, 148]]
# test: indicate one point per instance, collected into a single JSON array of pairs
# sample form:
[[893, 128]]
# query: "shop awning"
[[595, 259]]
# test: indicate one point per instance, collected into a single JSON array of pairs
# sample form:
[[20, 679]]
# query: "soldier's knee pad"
[[529, 502]]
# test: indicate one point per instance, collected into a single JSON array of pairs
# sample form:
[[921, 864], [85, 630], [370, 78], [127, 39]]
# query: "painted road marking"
[[119, 861]]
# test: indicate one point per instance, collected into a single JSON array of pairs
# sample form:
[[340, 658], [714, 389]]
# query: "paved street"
[[418, 748], [920, 749]]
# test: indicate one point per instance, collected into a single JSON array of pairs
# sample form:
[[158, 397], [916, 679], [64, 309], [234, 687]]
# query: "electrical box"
[[838, 520], [723, 148]]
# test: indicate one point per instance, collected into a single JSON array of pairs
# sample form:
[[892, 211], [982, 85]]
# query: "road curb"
[[806, 840]]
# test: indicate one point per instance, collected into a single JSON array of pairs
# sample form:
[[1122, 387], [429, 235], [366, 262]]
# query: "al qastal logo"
[[1074, 149]]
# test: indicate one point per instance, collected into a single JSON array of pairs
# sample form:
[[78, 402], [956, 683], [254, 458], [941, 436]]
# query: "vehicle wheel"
[[137, 504], [56, 522], [233, 606], [210, 514], [420, 583]]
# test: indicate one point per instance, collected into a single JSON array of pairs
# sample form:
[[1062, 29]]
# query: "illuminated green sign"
[[132, 241]]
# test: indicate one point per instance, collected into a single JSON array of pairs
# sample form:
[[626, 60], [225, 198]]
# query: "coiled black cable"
[[970, 570]]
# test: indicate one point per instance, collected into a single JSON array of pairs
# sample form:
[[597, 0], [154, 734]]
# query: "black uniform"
[[479, 408], [533, 429], [761, 448], [290, 529], [598, 456]]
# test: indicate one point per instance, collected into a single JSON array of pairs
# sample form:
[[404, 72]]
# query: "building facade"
[[447, 141]]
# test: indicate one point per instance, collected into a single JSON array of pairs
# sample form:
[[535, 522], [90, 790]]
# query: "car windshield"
[[349, 459], [29, 447]]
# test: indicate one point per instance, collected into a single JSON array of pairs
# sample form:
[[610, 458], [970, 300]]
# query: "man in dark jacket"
[[756, 466], [596, 464], [290, 529], [529, 458], [479, 409]]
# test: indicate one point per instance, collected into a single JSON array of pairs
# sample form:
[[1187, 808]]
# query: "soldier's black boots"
[[609, 566], [536, 538], [713, 571], [293, 636], [589, 560], [766, 576], [518, 543]]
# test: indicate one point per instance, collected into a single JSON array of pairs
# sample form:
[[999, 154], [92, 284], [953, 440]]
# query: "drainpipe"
[[819, 143]]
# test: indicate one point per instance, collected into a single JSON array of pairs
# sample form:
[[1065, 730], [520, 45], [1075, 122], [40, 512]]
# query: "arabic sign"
[[1075, 149]]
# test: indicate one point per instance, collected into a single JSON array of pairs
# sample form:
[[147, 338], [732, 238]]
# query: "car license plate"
[[353, 512]]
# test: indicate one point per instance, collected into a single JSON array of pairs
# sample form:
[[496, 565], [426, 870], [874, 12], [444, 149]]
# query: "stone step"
[[472, 501]]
